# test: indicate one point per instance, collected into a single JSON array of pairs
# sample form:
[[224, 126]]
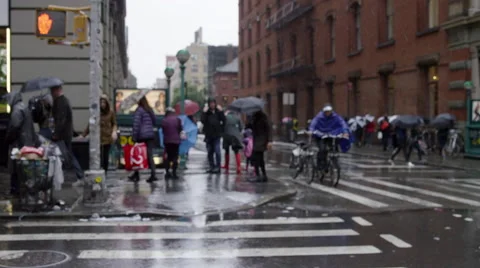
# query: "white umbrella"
[[353, 124], [390, 118], [360, 121], [369, 117]]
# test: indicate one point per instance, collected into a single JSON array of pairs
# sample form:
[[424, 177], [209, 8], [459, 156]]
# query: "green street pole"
[[182, 90]]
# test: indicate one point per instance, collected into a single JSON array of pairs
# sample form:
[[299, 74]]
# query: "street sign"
[[468, 85], [51, 24]]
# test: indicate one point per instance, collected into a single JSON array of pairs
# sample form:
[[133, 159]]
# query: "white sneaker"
[[391, 162], [78, 183], [410, 164]]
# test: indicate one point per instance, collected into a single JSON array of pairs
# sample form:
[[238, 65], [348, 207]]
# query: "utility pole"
[[94, 189]]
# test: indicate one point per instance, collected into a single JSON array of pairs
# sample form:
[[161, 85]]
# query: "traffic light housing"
[[81, 28], [51, 24]]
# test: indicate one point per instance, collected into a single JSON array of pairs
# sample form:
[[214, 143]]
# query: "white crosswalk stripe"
[[286, 235]]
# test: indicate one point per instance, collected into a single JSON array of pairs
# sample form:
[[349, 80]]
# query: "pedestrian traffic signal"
[[51, 24], [80, 26]]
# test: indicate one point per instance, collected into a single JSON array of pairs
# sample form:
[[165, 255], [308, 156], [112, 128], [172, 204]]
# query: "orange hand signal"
[[44, 23]]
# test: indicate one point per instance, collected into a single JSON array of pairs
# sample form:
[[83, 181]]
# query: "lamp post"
[[169, 73], [182, 56]]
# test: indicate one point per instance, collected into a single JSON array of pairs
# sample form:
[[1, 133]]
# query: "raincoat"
[[333, 124], [21, 131]]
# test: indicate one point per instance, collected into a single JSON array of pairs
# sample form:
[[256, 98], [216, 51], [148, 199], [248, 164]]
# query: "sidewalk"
[[196, 193], [432, 159]]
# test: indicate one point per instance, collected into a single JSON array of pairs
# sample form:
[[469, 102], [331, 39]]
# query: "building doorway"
[[310, 103], [432, 91]]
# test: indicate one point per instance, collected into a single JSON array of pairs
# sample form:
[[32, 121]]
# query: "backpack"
[[37, 109], [384, 125]]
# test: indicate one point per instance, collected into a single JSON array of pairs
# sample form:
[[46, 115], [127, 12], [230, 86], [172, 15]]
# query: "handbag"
[[136, 156]]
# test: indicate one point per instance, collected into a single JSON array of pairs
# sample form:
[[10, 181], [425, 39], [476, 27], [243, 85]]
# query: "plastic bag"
[[379, 135], [135, 156]]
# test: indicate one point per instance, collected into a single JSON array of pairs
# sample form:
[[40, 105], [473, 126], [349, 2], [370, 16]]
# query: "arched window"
[[268, 61], [357, 27], [259, 69], [249, 67], [330, 37], [432, 9]]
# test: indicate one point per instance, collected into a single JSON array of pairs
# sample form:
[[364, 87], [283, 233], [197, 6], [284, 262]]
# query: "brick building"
[[219, 56], [225, 83], [362, 56]]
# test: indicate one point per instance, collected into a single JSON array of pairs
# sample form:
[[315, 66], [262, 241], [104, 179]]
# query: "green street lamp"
[[182, 56], [168, 73]]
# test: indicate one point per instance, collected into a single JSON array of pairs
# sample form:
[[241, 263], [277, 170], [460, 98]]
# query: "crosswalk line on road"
[[449, 188], [171, 236], [227, 253], [243, 222], [407, 198], [421, 191], [361, 221], [399, 243], [350, 196]]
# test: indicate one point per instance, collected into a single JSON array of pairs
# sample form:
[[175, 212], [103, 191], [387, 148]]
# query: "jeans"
[[259, 163], [213, 147], [105, 156], [172, 156], [76, 166]]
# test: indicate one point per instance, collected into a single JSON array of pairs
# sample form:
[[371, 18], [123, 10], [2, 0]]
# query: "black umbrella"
[[247, 105], [444, 121], [41, 83], [407, 121]]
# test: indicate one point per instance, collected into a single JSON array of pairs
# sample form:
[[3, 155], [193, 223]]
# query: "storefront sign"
[[4, 13], [157, 99]]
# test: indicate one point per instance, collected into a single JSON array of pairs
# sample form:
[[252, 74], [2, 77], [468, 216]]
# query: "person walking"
[[63, 130], [108, 130], [171, 127], [386, 130], [262, 137], [232, 138], [213, 120], [401, 143], [20, 132], [143, 132], [369, 133]]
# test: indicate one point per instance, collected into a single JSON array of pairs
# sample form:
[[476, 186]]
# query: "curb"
[[149, 214]]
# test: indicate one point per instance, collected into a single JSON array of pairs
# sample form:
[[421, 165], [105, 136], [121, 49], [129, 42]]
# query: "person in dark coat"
[[63, 131], [20, 132], [213, 120], [143, 132], [171, 127], [262, 137]]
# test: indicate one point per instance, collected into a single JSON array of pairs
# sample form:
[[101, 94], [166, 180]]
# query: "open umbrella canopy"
[[133, 99], [369, 118], [247, 105], [445, 120], [390, 118], [41, 83], [191, 107], [407, 121], [191, 131]]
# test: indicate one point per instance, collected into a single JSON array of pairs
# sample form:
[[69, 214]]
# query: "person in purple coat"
[[143, 132], [171, 127]]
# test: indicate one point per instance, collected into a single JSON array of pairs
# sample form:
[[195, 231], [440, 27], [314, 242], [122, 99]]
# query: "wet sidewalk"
[[195, 193]]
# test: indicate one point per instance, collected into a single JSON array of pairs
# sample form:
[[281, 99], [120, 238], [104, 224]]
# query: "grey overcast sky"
[[162, 27]]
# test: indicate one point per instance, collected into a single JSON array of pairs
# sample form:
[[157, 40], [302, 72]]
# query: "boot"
[[238, 159], [227, 162]]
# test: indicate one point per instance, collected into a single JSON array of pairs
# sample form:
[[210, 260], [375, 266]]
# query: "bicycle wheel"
[[300, 167], [313, 170], [294, 161], [334, 172]]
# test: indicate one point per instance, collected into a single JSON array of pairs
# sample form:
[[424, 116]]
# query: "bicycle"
[[454, 144], [306, 160], [295, 155], [332, 167]]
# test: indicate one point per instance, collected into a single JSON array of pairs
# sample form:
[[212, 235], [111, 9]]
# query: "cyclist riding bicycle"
[[327, 122]]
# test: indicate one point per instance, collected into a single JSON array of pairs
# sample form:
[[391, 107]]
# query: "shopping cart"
[[35, 186]]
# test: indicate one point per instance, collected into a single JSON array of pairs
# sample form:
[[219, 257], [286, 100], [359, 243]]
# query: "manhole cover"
[[33, 258]]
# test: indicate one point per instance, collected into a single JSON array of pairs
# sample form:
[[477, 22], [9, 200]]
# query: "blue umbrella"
[[191, 131], [41, 83]]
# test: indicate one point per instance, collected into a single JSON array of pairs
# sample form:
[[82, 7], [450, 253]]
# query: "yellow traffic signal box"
[[51, 24], [81, 28]]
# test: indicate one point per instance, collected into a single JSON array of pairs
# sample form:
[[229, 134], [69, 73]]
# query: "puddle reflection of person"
[[118, 101], [160, 103], [476, 112]]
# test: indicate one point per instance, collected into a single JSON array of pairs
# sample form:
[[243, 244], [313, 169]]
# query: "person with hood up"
[[20, 132], [327, 122], [63, 131], [108, 130], [143, 132], [213, 120], [171, 127], [262, 138], [233, 138]]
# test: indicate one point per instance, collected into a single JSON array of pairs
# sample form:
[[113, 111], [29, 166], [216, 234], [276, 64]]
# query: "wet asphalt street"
[[379, 216]]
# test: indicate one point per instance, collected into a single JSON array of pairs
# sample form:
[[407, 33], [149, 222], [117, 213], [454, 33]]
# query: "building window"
[[293, 44], [280, 51], [249, 35], [357, 37], [259, 69], [331, 37], [194, 68], [268, 54], [389, 93], [330, 94], [389, 18], [259, 31], [242, 10], [249, 67], [242, 39], [432, 10], [311, 37], [242, 75]]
